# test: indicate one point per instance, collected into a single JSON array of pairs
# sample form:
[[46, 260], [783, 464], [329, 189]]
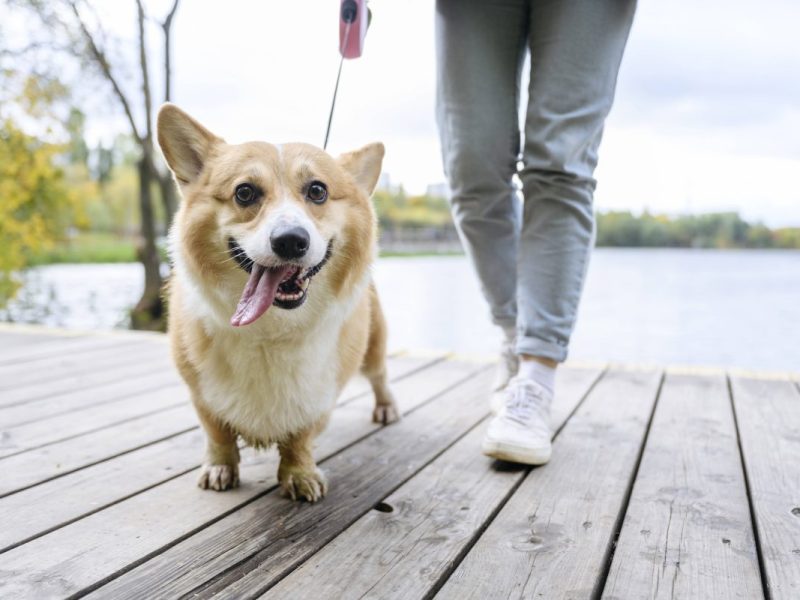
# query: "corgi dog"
[[271, 303]]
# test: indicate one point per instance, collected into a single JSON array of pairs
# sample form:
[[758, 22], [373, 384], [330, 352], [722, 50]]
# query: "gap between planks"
[[426, 525], [768, 421], [430, 427], [119, 557], [102, 482]]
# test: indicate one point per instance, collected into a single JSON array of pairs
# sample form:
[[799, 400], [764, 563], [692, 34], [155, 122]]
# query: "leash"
[[353, 15]]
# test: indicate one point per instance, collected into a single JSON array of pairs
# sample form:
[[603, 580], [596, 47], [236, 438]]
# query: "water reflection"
[[732, 308], [77, 296]]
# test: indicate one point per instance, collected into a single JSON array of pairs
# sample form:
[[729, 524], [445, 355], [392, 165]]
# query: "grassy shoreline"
[[89, 248], [86, 248]]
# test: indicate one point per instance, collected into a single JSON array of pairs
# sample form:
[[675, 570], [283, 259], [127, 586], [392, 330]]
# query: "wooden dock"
[[663, 484]]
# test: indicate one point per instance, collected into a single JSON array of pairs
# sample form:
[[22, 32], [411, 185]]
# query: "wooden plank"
[[768, 419], [397, 367], [422, 528], [51, 398], [59, 458], [60, 501], [83, 381], [104, 544], [17, 340], [69, 344], [159, 375], [59, 404], [68, 365], [246, 550], [687, 531], [552, 538], [14, 440], [57, 502]]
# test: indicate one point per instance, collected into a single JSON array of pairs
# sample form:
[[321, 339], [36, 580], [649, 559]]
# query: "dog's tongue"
[[258, 294]]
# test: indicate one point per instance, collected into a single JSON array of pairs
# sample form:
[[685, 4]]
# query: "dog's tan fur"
[[274, 381]]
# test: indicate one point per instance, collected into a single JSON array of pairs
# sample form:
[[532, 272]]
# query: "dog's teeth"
[[289, 297]]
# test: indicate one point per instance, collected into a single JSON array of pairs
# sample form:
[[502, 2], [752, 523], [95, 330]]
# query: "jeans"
[[531, 259]]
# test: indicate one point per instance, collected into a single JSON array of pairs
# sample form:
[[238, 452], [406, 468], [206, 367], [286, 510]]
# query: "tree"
[[68, 20], [36, 203]]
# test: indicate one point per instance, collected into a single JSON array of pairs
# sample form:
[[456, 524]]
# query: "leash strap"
[[336, 88]]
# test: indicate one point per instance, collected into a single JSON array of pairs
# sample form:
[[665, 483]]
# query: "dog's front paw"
[[218, 477], [385, 413], [298, 483]]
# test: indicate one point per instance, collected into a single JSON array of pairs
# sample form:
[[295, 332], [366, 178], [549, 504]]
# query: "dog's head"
[[265, 223]]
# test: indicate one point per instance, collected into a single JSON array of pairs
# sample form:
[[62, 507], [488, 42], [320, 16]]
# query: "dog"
[[272, 308]]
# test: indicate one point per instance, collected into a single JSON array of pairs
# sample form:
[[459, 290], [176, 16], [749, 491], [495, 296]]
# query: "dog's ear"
[[364, 165], [184, 142]]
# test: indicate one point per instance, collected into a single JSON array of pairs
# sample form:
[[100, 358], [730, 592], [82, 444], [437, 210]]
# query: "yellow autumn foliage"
[[37, 206]]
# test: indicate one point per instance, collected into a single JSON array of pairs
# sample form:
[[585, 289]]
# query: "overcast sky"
[[707, 115]]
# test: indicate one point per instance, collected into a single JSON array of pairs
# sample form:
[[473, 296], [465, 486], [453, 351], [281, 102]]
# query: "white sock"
[[540, 373]]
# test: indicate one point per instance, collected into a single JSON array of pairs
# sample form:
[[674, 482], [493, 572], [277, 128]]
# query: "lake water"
[[687, 307]]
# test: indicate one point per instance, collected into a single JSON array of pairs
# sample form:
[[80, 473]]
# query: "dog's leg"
[[220, 471], [298, 474], [374, 365]]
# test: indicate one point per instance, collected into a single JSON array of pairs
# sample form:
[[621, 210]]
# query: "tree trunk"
[[149, 311], [169, 196]]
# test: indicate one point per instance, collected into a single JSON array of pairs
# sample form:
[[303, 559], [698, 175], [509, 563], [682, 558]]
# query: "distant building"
[[438, 190], [384, 181], [385, 184]]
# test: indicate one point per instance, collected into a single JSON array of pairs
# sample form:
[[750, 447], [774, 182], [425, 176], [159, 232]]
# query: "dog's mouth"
[[285, 286]]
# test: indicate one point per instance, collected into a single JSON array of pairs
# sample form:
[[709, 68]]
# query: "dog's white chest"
[[268, 392]]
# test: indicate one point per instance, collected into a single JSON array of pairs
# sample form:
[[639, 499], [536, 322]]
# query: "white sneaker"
[[507, 368], [521, 430]]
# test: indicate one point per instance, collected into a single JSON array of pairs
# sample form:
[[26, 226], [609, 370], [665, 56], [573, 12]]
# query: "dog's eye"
[[245, 194], [317, 192]]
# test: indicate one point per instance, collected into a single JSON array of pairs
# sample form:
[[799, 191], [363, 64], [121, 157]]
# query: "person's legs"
[[576, 47], [480, 51]]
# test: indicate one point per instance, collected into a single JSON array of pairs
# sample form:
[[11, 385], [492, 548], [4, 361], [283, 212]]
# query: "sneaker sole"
[[516, 454]]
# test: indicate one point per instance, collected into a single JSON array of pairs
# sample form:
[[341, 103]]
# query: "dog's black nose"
[[292, 243]]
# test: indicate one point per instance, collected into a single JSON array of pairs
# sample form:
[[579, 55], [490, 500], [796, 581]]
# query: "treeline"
[[713, 230], [397, 210]]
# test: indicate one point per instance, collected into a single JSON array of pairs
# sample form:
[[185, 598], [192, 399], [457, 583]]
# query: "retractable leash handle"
[[353, 23], [354, 17]]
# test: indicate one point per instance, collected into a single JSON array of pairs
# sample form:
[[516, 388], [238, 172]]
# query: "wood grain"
[[54, 503], [60, 501], [687, 531], [39, 433], [57, 404], [106, 543], [397, 367], [60, 458], [768, 418], [86, 381], [58, 345], [160, 373], [19, 339], [552, 538], [246, 551], [101, 446], [70, 366], [433, 518]]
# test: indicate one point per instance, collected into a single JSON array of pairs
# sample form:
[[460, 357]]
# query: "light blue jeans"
[[531, 260]]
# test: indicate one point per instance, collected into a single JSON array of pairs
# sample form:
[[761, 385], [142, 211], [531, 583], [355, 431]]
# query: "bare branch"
[[105, 67], [32, 47], [148, 103], [166, 25]]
